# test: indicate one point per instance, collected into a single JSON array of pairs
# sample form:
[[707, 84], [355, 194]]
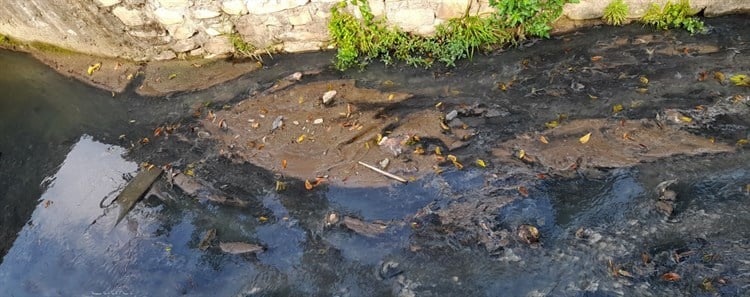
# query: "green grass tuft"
[[673, 16], [616, 13]]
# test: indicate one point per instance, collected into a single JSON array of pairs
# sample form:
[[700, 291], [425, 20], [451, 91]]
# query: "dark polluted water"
[[63, 161]]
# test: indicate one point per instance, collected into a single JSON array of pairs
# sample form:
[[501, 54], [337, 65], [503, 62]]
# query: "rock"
[[269, 6], [183, 30], [262, 30], [135, 190], [218, 45], [448, 9], [233, 7], [212, 32], [165, 55], [174, 3], [167, 16], [205, 13], [410, 17], [362, 228], [300, 19], [107, 3], [451, 115], [301, 46], [328, 96], [182, 46], [318, 121], [240, 247], [129, 17]]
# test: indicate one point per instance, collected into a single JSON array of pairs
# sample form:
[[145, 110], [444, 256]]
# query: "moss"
[[244, 49], [50, 48], [673, 15], [615, 13]]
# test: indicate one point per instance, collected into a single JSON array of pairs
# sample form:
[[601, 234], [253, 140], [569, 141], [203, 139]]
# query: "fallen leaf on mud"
[[596, 58], [205, 243], [93, 68], [223, 124], [585, 138], [641, 90], [643, 80], [592, 97], [172, 76], [481, 163], [551, 124], [521, 154], [239, 247], [524, 191], [617, 108], [624, 273], [455, 162], [544, 139], [283, 164], [439, 104], [129, 77], [740, 80], [157, 131], [262, 219], [670, 277], [742, 142], [438, 151], [686, 119], [419, 150], [189, 172], [308, 185], [280, 186], [301, 138], [145, 140], [211, 116], [702, 76], [719, 76]]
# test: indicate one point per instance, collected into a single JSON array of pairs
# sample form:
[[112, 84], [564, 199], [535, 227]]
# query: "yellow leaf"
[[390, 97], [438, 151], [740, 80], [189, 172], [172, 76], [552, 124], [742, 141], [585, 138], [521, 154], [280, 186], [93, 68], [686, 119], [262, 219], [543, 139], [444, 126], [452, 158], [644, 80], [301, 138], [617, 108], [481, 163], [283, 164], [308, 185], [719, 76], [592, 97], [439, 104], [129, 77]]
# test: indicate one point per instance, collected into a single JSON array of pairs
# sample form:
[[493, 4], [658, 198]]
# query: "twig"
[[393, 176]]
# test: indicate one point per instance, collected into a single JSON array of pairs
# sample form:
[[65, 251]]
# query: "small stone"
[[328, 96], [197, 52], [234, 7], [182, 31], [204, 13], [318, 121], [165, 55], [301, 19], [218, 45], [451, 115], [296, 123], [167, 16], [182, 46]]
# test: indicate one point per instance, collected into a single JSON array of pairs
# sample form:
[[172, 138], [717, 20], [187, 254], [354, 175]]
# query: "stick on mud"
[[393, 176]]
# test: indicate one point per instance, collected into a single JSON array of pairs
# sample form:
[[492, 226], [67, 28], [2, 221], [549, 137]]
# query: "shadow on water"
[[62, 154]]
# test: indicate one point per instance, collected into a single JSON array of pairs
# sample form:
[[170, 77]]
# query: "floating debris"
[[363, 228], [135, 190], [240, 247]]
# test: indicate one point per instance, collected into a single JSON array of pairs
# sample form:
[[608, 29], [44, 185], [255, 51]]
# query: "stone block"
[[205, 13], [410, 18], [304, 17], [234, 7], [129, 17], [107, 3], [448, 9], [218, 45], [270, 6], [167, 16], [174, 3], [183, 30], [185, 45], [301, 46], [261, 30]]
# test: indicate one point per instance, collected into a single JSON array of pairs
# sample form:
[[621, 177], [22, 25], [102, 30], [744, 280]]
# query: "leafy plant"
[[615, 13], [245, 49], [360, 41], [672, 15]]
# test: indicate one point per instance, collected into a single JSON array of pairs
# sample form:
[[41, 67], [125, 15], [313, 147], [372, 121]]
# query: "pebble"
[[318, 121], [451, 115], [328, 96]]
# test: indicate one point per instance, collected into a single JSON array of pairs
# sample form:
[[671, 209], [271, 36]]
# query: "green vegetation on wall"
[[672, 15], [615, 13], [361, 41]]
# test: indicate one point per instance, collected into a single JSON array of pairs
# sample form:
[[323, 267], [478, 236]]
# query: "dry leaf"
[[624, 273], [301, 138], [262, 219], [524, 192], [544, 139], [585, 138], [740, 80], [145, 140], [596, 58], [641, 90], [308, 185], [643, 80], [280, 186], [189, 172], [702, 76], [617, 108], [551, 124], [419, 150], [481, 163], [686, 119], [742, 142], [719, 76], [521, 154], [157, 131], [283, 164], [438, 151], [670, 277], [93, 68]]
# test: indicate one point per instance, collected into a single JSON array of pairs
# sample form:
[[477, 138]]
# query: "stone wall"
[[167, 29]]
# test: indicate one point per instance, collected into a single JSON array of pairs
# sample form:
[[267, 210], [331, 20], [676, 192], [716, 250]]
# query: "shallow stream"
[[66, 148]]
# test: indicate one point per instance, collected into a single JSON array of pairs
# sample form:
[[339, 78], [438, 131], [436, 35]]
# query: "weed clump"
[[615, 13], [245, 49], [673, 15], [361, 41]]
